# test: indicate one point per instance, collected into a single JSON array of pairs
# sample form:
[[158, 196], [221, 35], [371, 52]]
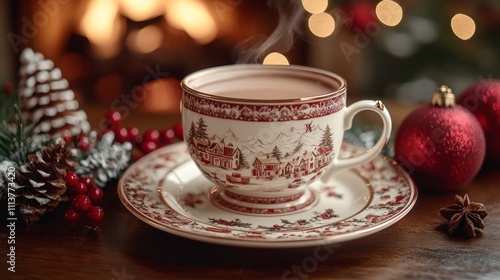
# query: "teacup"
[[262, 133]]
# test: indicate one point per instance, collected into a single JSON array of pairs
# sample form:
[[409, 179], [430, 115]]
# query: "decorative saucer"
[[166, 190]]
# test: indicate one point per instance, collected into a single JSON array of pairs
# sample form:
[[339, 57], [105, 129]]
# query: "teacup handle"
[[371, 105]]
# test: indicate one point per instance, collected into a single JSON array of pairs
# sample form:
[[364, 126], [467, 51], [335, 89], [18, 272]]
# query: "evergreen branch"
[[7, 103], [16, 141]]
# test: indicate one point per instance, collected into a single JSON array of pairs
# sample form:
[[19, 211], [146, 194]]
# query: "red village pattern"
[[219, 152], [261, 112], [393, 196]]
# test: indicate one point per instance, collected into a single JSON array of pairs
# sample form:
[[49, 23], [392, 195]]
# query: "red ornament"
[[483, 100], [442, 146]]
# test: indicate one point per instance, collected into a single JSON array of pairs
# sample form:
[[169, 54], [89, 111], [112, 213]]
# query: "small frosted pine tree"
[[326, 140], [201, 130]]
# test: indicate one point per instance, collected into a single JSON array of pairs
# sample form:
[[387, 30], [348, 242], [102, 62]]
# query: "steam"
[[281, 40]]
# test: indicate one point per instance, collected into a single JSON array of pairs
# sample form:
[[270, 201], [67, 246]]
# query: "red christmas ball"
[[483, 100], [441, 147]]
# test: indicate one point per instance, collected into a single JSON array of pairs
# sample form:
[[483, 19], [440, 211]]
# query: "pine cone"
[[40, 182], [4, 182], [106, 161], [46, 99]]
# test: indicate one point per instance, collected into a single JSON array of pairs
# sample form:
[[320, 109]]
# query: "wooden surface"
[[417, 247]]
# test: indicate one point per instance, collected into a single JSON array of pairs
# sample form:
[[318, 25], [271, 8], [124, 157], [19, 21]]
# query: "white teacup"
[[262, 133]]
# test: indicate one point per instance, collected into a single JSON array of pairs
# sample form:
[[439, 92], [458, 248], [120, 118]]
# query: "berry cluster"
[[81, 141], [83, 197], [146, 143]]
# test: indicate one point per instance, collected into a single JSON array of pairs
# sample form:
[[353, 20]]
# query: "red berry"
[[178, 130], [81, 203], [71, 216], [121, 135], [148, 146], [95, 215], [133, 135], [8, 88], [79, 188], [89, 182], [167, 136], [113, 119], [151, 135], [95, 194], [67, 137], [80, 137], [71, 178], [84, 144]]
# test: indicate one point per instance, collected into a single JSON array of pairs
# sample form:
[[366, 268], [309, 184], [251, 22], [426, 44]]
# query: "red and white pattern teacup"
[[262, 133]]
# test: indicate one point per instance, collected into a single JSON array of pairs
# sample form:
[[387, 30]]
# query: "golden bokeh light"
[[141, 10], [275, 58], [102, 26], [321, 25], [463, 26], [389, 12], [315, 6], [145, 40], [194, 17]]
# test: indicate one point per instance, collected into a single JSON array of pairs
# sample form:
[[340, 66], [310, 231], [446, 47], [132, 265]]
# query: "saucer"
[[166, 190]]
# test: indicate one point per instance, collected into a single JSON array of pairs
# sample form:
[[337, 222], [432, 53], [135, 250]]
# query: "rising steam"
[[281, 40]]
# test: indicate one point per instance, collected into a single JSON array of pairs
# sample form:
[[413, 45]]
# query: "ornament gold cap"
[[443, 97]]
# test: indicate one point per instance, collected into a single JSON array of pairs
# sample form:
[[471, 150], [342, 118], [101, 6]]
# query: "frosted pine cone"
[[40, 185], [46, 98], [106, 161]]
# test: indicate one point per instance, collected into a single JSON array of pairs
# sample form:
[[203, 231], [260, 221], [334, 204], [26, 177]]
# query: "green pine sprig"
[[16, 139], [7, 102]]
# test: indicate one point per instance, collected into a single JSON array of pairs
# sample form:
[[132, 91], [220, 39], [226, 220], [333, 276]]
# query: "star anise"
[[464, 216]]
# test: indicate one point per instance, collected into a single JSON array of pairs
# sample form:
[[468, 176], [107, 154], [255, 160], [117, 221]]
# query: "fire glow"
[[104, 27]]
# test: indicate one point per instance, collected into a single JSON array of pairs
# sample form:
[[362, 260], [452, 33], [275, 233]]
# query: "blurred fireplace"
[[108, 48]]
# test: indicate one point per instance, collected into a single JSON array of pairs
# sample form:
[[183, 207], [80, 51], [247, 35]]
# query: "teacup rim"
[[342, 88]]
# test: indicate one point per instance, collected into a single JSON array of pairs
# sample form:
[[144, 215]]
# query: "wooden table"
[[417, 247]]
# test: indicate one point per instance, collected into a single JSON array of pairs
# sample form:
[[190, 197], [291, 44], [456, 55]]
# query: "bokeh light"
[[145, 40], [194, 17], [141, 10], [321, 25], [463, 26], [275, 58], [315, 6], [389, 12]]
